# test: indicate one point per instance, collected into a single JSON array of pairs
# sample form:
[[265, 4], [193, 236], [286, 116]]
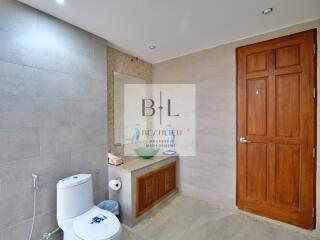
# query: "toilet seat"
[[97, 224]]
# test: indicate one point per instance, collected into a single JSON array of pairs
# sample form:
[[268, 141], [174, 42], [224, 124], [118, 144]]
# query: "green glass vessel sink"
[[146, 153]]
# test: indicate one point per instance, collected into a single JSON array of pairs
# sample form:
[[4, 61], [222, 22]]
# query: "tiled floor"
[[185, 218]]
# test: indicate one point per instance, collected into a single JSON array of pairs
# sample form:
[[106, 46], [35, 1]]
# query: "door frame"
[[315, 117]]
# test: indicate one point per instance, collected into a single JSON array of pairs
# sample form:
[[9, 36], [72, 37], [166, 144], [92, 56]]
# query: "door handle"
[[244, 140]]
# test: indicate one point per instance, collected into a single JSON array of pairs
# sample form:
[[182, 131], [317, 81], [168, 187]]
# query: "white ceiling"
[[177, 27]]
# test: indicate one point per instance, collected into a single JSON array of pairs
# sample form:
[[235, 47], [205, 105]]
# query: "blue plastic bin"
[[110, 205]]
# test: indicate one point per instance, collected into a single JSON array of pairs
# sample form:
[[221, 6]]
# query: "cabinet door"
[[154, 186], [161, 184], [169, 178], [146, 192], [166, 180]]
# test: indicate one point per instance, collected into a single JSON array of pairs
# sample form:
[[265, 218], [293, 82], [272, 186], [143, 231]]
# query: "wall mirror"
[[120, 126]]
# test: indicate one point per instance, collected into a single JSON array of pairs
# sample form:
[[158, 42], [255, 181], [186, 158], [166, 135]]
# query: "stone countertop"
[[132, 164]]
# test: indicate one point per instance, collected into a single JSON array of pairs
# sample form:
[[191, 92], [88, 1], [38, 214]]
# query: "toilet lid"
[[96, 224]]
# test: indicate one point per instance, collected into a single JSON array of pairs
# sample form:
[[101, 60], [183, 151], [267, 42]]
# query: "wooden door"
[[276, 120]]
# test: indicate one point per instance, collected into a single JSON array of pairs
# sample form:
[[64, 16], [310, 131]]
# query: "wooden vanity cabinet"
[[154, 186]]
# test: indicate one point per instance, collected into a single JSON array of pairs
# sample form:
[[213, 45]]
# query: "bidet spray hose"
[[34, 212], [35, 189]]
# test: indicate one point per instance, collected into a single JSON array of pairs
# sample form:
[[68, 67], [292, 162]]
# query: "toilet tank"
[[74, 196]]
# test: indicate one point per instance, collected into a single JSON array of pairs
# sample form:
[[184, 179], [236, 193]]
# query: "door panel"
[[256, 171], [256, 92], [161, 185], [150, 187], [170, 178], [276, 117], [147, 191], [288, 175], [288, 105], [257, 62], [287, 56]]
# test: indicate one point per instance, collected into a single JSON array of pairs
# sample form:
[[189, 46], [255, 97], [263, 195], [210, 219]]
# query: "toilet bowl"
[[77, 215]]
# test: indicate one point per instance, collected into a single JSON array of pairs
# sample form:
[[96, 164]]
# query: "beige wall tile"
[[214, 72]]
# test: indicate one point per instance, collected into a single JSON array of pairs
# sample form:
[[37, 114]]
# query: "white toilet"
[[77, 215]]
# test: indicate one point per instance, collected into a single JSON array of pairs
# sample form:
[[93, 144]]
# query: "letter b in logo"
[[148, 104]]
